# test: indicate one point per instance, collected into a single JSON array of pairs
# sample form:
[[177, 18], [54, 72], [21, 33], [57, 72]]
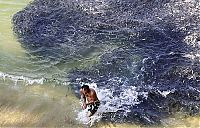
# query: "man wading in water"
[[90, 95]]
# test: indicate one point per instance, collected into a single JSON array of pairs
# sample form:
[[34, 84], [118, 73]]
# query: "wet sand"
[[37, 106]]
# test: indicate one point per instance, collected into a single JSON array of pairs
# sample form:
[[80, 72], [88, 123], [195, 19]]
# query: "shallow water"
[[23, 105], [35, 92]]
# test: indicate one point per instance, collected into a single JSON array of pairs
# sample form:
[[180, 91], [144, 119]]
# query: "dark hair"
[[86, 87]]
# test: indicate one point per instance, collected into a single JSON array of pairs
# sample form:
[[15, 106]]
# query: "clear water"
[[35, 92], [26, 100]]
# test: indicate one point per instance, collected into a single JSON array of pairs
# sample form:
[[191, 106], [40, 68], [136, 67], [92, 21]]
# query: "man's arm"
[[83, 98]]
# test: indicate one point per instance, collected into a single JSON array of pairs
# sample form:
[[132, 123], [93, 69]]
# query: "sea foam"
[[26, 80]]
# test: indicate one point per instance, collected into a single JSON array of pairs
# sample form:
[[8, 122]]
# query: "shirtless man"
[[89, 95]]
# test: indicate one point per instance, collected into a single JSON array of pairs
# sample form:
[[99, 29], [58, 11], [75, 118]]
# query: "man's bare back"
[[90, 99]]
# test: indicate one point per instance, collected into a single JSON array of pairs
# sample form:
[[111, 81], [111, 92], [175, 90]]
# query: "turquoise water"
[[27, 99]]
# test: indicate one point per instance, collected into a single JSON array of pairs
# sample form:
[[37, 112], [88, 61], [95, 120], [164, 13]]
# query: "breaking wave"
[[26, 80]]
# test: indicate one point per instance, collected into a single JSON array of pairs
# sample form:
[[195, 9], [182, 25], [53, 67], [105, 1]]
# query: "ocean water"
[[141, 57]]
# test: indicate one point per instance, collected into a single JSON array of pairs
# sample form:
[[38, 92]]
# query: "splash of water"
[[26, 80]]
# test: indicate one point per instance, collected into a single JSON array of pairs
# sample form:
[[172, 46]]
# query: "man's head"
[[85, 88]]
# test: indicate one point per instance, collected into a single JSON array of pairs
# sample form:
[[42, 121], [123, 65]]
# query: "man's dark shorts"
[[92, 107]]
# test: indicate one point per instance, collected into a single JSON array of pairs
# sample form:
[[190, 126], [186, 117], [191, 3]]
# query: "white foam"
[[189, 1], [165, 93], [26, 80], [111, 103], [82, 117], [99, 7], [192, 56]]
